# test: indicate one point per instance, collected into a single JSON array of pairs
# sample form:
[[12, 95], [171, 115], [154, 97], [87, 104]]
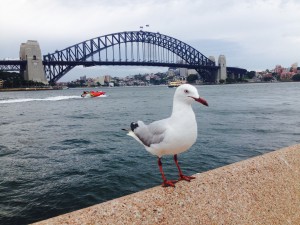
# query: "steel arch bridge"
[[136, 48]]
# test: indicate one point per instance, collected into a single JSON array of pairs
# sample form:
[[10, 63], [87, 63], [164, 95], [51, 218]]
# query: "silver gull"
[[172, 135]]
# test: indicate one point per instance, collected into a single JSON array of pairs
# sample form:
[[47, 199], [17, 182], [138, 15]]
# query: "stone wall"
[[260, 190]]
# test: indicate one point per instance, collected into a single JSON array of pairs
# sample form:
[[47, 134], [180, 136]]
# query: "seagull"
[[172, 135]]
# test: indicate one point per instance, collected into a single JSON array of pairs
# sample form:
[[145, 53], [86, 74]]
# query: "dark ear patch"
[[133, 126]]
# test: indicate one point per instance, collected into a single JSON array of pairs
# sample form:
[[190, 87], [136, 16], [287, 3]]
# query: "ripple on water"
[[6, 151], [75, 142]]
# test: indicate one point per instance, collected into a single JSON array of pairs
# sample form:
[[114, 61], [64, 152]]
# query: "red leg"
[[182, 177], [166, 182]]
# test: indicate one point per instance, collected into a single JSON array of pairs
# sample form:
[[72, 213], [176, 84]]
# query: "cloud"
[[256, 34]]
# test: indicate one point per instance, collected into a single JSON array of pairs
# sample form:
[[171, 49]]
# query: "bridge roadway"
[[12, 65], [125, 63]]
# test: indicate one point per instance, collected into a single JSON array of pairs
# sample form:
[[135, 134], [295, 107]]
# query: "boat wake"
[[56, 98], [102, 96]]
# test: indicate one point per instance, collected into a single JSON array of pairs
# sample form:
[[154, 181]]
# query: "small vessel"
[[175, 84], [92, 94]]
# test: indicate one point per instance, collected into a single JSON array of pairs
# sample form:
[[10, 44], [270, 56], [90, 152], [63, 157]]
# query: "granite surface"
[[260, 190]]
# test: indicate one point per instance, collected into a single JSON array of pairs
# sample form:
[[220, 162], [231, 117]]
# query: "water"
[[60, 153]]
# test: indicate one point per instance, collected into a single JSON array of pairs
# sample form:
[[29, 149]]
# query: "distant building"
[[103, 80], [286, 73], [90, 82], [148, 77], [294, 67], [83, 78], [107, 78], [278, 69], [183, 72], [1, 83], [99, 80], [171, 72]]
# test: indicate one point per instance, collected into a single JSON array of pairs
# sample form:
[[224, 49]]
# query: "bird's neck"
[[181, 108]]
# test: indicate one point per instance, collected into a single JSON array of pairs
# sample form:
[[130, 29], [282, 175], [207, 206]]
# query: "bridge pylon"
[[31, 52], [214, 74], [222, 72]]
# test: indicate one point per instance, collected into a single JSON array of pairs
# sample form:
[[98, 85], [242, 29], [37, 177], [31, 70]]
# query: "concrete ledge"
[[260, 190]]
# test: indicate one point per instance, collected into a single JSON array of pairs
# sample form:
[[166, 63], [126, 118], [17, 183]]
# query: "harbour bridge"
[[129, 48]]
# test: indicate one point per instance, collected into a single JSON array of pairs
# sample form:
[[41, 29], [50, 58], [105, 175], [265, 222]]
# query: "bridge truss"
[[139, 48], [12, 65]]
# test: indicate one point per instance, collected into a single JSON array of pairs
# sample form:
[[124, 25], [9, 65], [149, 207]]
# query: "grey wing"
[[151, 134]]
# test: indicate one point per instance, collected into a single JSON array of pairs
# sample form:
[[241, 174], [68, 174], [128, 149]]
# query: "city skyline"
[[281, 72], [280, 69], [254, 35]]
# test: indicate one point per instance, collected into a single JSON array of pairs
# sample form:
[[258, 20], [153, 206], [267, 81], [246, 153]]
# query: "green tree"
[[230, 80], [82, 83], [276, 76], [250, 74], [267, 78], [192, 78], [296, 77]]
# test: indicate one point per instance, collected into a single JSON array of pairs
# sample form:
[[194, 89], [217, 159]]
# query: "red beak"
[[201, 100]]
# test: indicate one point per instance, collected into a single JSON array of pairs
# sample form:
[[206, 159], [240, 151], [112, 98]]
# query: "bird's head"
[[188, 94]]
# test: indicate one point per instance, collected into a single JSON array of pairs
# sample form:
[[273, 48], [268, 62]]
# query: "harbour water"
[[60, 153]]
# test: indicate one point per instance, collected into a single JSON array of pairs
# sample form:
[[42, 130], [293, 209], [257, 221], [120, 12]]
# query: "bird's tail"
[[129, 132]]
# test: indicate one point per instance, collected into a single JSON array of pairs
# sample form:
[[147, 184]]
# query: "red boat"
[[92, 94]]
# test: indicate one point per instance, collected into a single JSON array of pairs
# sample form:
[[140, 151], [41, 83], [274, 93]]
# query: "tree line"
[[16, 80]]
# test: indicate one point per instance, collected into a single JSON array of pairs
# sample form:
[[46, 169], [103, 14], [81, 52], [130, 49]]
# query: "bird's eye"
[[186, 91]]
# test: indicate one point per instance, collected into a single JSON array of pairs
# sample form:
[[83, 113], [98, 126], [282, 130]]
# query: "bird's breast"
[[181, 136]]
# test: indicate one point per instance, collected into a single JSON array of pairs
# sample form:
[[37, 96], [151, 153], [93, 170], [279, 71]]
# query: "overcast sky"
[[252, 34]]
